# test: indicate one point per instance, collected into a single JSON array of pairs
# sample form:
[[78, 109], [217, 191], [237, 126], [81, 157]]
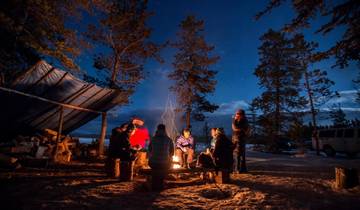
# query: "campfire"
[[175, 162]]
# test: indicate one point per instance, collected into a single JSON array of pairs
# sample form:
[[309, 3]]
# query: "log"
[[112, 167], [222, 177], [126, 170], [140, 161], [346, 177]]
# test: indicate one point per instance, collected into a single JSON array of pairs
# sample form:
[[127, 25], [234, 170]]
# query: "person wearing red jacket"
[[141, 136]]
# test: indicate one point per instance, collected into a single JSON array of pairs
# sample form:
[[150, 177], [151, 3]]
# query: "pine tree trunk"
[[114, 72], [277, 111], [188, 114], [313, 113]]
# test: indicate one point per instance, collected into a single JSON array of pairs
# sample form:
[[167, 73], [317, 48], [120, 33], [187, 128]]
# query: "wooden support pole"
[[59, 131], [102, 134]]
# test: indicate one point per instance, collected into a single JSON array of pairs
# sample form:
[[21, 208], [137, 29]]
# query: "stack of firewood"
[[43, 146]]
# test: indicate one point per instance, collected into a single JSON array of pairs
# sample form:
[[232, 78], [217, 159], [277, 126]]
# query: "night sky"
[[229, 26]]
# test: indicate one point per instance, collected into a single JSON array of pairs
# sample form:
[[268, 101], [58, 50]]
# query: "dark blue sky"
[[231, 28]]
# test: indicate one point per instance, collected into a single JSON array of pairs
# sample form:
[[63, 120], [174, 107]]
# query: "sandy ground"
[[273, 182]]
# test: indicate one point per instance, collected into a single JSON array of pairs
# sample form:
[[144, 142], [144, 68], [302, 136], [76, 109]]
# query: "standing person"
[[223, 151], [161, 150], [126, 154], [240, 129], [185, 145], [112, 166]]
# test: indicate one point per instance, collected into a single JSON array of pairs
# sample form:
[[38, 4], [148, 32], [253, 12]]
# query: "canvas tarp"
[[21, 114]]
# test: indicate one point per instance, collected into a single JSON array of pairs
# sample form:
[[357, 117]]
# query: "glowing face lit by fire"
[[186, 134]]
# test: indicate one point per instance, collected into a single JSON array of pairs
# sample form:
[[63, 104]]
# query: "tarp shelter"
[[21, 114]]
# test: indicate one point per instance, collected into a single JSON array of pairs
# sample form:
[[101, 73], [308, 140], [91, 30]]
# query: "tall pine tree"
[[193, 76], [316, 83], [123, 35], [279, 73]]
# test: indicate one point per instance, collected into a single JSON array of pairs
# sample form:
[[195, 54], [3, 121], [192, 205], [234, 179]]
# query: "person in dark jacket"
[[240, 128], [123, 146], [112, 169], [223, 151], [113, 151], [161, 150]]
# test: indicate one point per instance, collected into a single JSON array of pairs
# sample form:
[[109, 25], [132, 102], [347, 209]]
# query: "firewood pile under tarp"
[[39, 149], [43, 98]]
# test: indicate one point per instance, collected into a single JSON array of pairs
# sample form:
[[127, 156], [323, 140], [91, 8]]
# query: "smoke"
[[168, 119]]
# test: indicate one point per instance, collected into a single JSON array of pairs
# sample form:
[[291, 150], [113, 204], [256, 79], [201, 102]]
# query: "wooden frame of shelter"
[[63, 106]]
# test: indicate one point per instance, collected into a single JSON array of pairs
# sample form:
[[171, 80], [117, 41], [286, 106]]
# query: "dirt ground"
[[273, 182]]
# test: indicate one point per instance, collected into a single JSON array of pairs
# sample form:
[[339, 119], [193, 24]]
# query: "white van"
[[344, 140]]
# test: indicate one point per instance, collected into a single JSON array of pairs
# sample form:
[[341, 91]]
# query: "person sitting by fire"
[[185, 146], [161, 150], [213, 139], [223, 151], [140, 138]]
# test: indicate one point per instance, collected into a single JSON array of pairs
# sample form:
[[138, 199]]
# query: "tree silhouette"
[[316, 83], [122, 33], [279, 74], [338, 117], [34, 29], [192, 74], [340, 14]]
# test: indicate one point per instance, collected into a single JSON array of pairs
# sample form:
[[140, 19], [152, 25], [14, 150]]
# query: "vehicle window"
[[339, 133], [327, 133], [349, 133]]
